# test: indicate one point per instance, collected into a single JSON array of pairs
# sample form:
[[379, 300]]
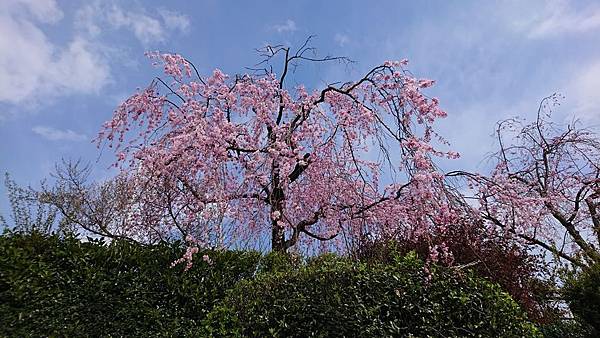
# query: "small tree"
[[280, 159]]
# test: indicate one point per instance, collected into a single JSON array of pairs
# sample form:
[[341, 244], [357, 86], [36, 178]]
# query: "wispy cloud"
[[174, 20], [584, 92], [563, 17], [99, 16], [341, 39], [46, 11], [54, 134], [147, 29], [288, 26]]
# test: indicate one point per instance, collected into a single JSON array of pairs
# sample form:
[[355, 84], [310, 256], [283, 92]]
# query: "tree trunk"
[[277, 203], [277, 238]]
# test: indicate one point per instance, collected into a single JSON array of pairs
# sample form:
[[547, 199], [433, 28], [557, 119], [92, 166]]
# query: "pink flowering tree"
[[278, 160], [545, 188]]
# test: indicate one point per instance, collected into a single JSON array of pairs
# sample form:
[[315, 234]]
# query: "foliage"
[[582, 292], [568, 328], [60, 286], [334, 297], [53, 286], [503, 262]]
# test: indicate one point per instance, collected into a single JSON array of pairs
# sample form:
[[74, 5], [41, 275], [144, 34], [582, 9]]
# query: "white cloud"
[[145, 28], [288, 26], [562, 17], [100, 17], [175, 21], [341, 39], [45, 11], [79, 68], [54, 134], [33, 68], [86, 20]]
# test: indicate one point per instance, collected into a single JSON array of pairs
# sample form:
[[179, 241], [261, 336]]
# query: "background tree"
[[545, 188], [108, 208], [93, 208], [294, 163]]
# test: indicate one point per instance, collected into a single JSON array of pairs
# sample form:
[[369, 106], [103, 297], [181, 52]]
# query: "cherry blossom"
[[279, 160]]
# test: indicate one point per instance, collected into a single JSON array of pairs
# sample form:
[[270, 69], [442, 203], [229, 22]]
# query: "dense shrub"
[[568, 328], [65, 287], [502, 262], [332, 297], [582, 292]]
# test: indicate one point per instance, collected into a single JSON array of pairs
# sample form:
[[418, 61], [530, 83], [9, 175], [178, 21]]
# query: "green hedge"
[[62, 287], [568, 328], [333, 297]]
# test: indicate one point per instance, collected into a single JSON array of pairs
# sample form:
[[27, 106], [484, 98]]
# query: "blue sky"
[[65, 65]]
